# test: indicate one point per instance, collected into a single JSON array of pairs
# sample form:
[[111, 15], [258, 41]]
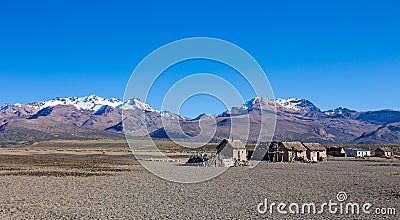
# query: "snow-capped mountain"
[[297, 119], [296, 104], [203, 116], [172, 116], [96, 103], [340, 111], [136, 103], [91, 102]]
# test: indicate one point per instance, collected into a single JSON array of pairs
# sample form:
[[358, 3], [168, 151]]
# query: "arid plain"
[[105, 183]]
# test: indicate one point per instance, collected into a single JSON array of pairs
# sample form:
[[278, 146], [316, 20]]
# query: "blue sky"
[[336, 53]]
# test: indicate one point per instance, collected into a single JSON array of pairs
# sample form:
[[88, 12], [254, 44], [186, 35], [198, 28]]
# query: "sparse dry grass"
[[67, 185], [65, 164]]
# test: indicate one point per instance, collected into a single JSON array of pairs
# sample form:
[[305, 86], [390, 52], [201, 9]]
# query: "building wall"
[[357, 153], [364, 153], [288, 155], [240, 154], [237, 154], [302, 154], [227, 151], [317, 155], [381, 153], [351, 153], [323, 155], [337, 153]]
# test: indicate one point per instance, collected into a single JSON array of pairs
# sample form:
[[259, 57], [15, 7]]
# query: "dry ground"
[[67, 184]]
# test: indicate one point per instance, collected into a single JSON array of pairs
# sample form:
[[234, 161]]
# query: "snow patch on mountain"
[[10, 108], [136, 103], [338, 111], [290, 103], [296, 104], [172, 116], [91, 102], [101, 110]]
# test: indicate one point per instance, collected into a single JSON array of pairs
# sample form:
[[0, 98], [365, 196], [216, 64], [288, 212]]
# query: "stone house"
[[232, 148], [384, 152], [315, 152], [290, 151]]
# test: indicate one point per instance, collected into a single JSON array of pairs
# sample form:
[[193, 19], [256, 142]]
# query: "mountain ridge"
[[94, 102], [296, 119]]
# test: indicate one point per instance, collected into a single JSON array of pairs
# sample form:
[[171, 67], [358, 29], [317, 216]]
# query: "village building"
[[315, 152], [259, 152], [335, 151], [290, 151], [384, 152], [358, 152], [273, 154], [232, 148], [271, 151]]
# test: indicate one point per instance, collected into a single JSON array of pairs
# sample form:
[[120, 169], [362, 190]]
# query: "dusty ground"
[[65, 185]]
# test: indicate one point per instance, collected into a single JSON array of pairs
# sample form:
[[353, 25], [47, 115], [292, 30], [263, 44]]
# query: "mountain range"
[[94, 117]]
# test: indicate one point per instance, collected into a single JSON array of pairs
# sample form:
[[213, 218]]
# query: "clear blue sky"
[[334, 53]]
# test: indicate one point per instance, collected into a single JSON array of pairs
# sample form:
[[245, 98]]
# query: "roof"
[[235, 144], [294, 145], [335, 148], [357, 149], [385, 149], [263, 145], [314, 146]]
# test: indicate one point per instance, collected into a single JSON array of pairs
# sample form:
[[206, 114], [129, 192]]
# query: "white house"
[[358, 152]]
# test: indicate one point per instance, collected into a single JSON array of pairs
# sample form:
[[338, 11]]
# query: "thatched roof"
[[385, 149], [297, 146], [314, 146], [263, 145], [235, 144]]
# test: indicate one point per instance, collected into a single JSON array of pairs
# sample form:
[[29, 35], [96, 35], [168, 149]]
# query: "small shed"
[[358, 152], [384, 152], [315, 151], [232, 148], [291, 151], [336, 151]]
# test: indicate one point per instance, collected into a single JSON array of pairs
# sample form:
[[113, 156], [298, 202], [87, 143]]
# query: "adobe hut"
[[273, 154], [384, 152], [336, 151], [232, 148], [291, 151], [315, 152]]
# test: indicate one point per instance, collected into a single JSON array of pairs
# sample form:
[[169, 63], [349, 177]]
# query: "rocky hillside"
[[93, 117]]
